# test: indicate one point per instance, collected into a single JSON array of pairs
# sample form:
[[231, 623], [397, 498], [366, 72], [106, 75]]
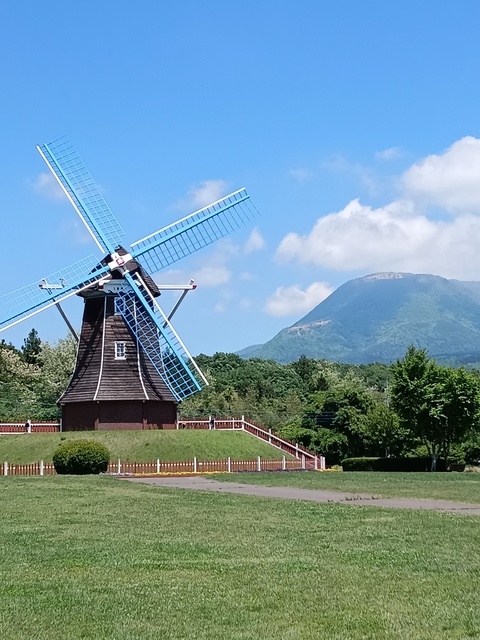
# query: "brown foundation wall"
[[111, 415]]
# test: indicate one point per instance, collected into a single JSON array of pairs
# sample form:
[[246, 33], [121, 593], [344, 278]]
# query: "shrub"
[[79, 457]]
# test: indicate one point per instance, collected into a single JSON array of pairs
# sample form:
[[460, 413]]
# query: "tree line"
[[412, 407]]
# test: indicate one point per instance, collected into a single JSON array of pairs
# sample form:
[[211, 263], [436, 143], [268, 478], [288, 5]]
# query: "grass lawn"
[[142, 446], [460, 487], [100, 558]]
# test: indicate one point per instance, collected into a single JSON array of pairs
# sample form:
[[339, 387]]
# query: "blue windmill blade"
[[74, 178], [158, 339], [27, 301], [199, 229]]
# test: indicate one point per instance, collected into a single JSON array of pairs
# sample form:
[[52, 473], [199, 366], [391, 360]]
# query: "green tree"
[[32, 347], [383, 430], [438, 405]]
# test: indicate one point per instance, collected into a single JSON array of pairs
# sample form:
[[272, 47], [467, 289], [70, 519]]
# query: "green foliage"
[[81, 457], [438, 405], [32, 347], [31, 384]]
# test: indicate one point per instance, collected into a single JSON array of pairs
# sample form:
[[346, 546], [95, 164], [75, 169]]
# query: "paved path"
[[200, 483]]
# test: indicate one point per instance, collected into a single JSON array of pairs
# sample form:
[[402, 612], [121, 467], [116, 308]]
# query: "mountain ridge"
[[376, 317]]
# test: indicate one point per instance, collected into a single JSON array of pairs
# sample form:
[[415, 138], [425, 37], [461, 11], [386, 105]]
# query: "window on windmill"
[[120, 351]]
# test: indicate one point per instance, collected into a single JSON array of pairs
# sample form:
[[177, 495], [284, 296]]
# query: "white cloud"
[[392, 238], [392, 153], [212, 275], [301, 175], [293, 300], [45, 184], [450, 180], [400, 236], [255, 242], [204, 194]]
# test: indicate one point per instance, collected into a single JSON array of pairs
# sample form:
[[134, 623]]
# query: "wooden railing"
[[122, 467], [35, 427]]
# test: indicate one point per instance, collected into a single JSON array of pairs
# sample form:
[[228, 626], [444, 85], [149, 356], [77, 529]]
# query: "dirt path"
[[199, 483]]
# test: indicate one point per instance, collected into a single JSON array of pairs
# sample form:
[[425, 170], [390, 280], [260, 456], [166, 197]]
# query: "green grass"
[[460, 487], [142, 446], [103, 559]]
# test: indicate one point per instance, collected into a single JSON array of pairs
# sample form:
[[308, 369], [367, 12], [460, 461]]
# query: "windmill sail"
[[74, 178], [198, 230], [159, 340], [27, 301]]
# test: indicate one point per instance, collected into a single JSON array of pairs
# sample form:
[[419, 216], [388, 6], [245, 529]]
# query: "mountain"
[[375, 319]]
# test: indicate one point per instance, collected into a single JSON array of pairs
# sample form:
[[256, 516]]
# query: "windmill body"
[[132, 368]]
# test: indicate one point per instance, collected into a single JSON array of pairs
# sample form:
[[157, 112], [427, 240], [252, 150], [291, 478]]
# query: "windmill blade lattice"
[[159, 340], [27, 301], [198, 230], [83, 193]]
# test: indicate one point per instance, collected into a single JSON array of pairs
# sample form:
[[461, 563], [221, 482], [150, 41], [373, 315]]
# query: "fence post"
[[119, 466], [42, 467], [322, 463], [296, 450], [259, 464], [243, 422], [316, 463], [195, 464], [303, 461], [284, 463], [228, 465], [5, 468], [158, 465], [270, 436]]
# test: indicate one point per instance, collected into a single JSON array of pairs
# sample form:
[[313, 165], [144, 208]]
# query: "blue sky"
[[353, 125]]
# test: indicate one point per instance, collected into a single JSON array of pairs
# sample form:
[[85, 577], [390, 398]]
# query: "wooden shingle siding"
[[110, 393]]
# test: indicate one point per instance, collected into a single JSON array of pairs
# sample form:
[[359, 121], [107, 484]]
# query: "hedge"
[[392, 464]]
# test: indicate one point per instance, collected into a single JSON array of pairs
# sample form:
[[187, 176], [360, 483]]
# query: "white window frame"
[[120, 350]]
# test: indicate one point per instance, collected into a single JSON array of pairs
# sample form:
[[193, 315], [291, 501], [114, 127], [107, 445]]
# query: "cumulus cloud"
[[293, 300], [450, 180], [45, 184], [255, 242], [401, 236]]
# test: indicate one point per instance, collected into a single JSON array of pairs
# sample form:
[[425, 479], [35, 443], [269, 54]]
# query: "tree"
[[383, 430], [438, 405], [32, 347]]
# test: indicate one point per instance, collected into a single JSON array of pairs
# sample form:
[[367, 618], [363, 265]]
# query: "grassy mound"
[[142, 446]]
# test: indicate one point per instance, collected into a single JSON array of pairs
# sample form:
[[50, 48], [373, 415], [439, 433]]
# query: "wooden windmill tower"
[[132, 368]]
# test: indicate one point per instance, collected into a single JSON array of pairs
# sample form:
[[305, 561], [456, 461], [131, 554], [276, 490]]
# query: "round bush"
[[79, 457]]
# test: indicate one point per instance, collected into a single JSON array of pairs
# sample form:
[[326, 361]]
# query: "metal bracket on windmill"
[[48, 286]]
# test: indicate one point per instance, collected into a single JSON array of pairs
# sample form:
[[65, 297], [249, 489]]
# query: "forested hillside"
[[414, 406]]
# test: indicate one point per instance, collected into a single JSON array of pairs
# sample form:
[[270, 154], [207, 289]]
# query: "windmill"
[[132, 368]]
